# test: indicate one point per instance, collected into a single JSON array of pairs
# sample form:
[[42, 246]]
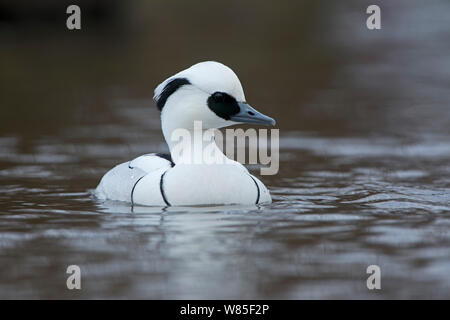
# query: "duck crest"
[[172, 86]]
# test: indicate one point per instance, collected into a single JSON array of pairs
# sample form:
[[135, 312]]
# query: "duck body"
[[151, 180], [209, 93]]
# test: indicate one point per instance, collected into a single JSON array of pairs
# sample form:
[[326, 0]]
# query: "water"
[[340, 205], [364, 179]]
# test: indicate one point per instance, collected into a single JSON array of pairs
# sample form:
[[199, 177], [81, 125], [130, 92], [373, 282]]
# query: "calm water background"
[[364, 122]]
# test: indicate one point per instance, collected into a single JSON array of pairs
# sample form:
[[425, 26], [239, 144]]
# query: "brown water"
[[364, 162]]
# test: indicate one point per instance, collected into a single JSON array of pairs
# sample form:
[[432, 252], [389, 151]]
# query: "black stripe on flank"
[[161, 188], [132, 190], [172, 86], [257, 188]]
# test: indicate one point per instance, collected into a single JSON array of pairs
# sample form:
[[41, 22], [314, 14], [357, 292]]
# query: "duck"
[[208, 93]]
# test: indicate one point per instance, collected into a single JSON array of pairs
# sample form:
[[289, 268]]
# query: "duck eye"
[[223, 105], [219, 97]]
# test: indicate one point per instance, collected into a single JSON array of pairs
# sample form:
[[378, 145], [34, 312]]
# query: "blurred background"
[[292, 58], [364, 122]]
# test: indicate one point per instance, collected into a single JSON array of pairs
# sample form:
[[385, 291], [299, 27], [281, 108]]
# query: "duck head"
[[209, 92]]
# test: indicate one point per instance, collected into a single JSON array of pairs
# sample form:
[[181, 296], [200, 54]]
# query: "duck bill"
[[249, 115]]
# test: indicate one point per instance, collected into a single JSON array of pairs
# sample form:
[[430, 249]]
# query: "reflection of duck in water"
[[209, 92]]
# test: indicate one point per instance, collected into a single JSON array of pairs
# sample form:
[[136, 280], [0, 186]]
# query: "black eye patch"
[[223, 105], [169, 89]]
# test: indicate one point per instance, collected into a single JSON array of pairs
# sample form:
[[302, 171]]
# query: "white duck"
[[209, 92]]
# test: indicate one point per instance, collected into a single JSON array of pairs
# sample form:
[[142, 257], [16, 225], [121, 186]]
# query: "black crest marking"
[[172, 86], [223, 105]]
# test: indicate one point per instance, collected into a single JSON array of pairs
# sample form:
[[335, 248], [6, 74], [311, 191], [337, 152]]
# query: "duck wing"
[[119, 182]]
